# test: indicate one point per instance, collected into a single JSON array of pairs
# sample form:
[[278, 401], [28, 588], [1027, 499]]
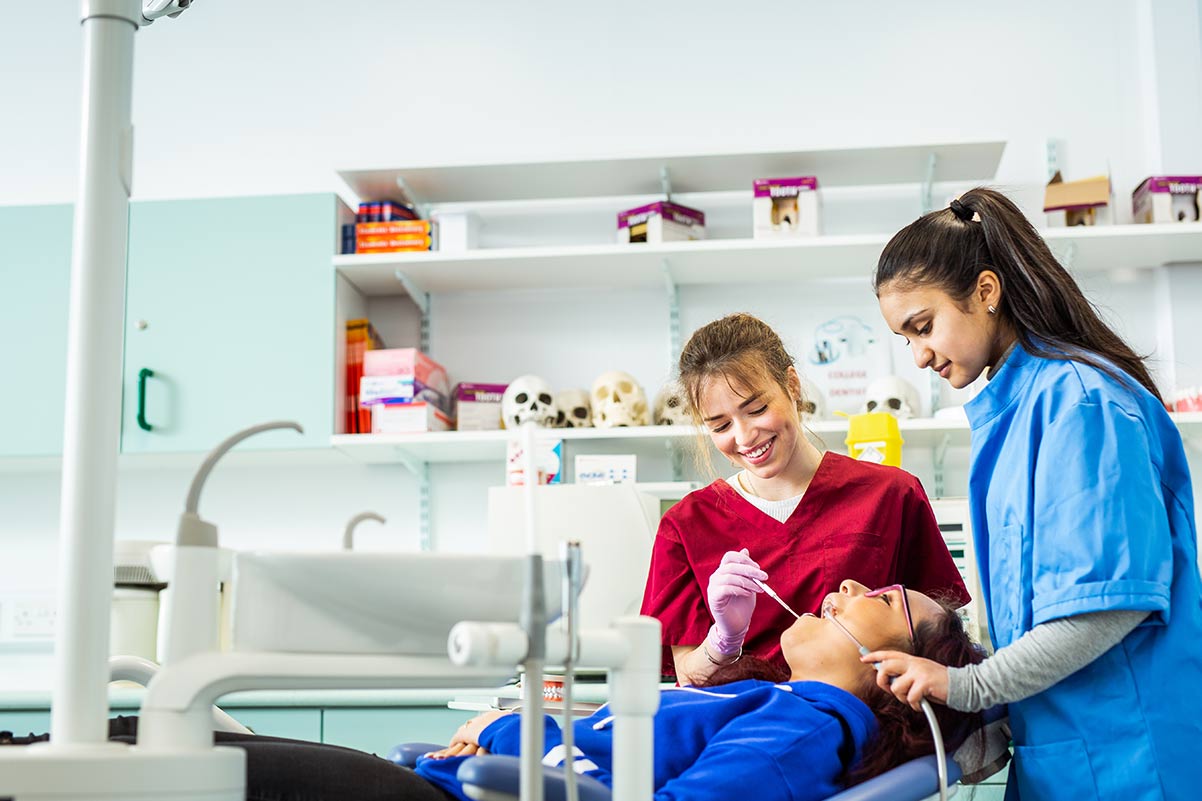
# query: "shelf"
[[966, 161], [617, 265], [1119, 247], [711, 261], [487, 446]]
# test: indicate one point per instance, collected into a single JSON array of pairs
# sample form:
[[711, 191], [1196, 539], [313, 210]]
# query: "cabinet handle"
[[143, 374]]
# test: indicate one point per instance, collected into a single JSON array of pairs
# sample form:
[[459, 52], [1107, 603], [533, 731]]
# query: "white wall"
[[254, 98]]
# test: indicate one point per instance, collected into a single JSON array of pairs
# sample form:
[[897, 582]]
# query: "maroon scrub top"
[[857, 520]]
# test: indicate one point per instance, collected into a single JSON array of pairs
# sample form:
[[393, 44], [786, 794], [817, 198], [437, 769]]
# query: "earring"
[[992, 310]]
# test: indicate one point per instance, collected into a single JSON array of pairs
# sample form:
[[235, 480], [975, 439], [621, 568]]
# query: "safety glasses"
[[905, 603]]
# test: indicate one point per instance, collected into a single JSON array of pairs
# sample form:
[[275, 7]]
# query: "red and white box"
[[408, 363]]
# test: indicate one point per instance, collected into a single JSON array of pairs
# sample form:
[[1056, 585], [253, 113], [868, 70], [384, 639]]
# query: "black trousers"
[[279, 769]]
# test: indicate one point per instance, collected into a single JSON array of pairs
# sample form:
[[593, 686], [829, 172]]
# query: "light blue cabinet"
[[378, 730], [295, 724], [35, 274], [230, 307]]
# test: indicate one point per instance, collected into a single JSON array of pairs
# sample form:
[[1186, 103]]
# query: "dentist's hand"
[[732, 600], [910, 678]]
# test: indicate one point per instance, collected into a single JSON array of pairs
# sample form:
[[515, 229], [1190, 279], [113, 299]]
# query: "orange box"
[[393, 228]]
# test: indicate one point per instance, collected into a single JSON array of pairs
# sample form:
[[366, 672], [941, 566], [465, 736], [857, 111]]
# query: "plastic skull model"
[[528, 397], [573, 409], [618, 400], [813, 402], [671, 407], [894, 395]]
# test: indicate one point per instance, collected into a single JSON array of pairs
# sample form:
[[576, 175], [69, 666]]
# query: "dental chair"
[[496, 778]]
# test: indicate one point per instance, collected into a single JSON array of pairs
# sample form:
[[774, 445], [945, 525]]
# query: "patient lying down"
[[804, 735]]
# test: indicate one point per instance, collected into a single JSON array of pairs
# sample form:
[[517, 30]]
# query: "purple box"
[[1167, 198], [478, 406], [661, 221]]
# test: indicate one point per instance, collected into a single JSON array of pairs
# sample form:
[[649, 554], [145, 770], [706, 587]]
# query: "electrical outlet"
[[30, 618]]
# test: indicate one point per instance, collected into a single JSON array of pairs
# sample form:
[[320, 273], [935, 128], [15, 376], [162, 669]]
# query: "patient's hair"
[[903, 733]]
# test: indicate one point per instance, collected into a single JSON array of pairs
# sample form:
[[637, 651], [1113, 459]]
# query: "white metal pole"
[[79, 706]]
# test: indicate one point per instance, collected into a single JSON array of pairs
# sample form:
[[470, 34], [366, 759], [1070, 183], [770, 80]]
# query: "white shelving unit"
[[593, 185], [488, 446]]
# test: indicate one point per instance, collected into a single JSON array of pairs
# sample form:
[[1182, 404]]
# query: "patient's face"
[[876, 621]]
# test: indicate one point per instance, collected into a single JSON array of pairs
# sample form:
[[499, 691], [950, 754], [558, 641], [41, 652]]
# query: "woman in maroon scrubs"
[[792, 516]]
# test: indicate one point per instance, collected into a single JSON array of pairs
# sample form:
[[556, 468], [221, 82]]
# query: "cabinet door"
[[295, 724], [378, 730], [230, 302], [35, 273]]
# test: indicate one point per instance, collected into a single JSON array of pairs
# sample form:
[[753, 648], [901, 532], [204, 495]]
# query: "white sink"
[[356, 602]]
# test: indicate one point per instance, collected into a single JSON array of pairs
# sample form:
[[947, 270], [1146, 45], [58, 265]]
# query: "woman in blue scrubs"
[[1082, 507]]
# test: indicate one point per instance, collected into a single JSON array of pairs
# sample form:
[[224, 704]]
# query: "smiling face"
[[757, 428], [956, 339], [817, 648]]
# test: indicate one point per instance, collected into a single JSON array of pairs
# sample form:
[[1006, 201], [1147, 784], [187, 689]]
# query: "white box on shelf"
[[548, 461], [457, 231], [785, 207], [616, 468], [661, 221], [408, 418], [1168, 198]]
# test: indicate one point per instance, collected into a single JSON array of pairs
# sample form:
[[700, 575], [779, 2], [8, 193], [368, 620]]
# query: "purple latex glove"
[[732, 600]]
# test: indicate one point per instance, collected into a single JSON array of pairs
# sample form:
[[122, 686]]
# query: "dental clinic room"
[[547, 400]]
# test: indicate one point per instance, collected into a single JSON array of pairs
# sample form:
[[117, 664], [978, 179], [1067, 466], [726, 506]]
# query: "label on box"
[[616, 468], [407, 418], [548, 461], [478, 406], [375, 389], [784, 187]]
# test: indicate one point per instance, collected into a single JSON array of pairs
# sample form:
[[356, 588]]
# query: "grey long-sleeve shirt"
[[1040, 658]]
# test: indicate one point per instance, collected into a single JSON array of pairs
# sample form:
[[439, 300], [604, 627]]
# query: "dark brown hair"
[[984, 230], [903, 733]]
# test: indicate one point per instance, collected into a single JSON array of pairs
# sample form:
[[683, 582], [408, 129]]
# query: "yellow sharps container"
[[874, 437]]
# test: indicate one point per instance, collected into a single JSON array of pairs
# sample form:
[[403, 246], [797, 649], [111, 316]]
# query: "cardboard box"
[[408, 363], [408, 418], [784, 207], [661, 221], [1168, 198], [1084, 202], [548, 461], [478, 406]]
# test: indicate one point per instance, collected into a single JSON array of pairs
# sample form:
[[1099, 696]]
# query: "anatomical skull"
[[894, 395], [618, 400], [573, 409], [671, 407], [813, 402], [526, 398]]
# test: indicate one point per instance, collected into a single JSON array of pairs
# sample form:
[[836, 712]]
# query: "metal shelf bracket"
[[673, 312], [665, 182], [938, 455], [421, 472], [421, 299], [927, 182]]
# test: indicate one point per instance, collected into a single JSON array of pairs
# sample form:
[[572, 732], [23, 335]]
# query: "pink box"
[[410, 363]]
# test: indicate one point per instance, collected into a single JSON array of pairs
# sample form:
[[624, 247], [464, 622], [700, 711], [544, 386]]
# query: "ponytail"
[[984, 230]]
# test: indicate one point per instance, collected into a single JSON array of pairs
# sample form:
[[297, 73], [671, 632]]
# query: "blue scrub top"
[[1082, 502]]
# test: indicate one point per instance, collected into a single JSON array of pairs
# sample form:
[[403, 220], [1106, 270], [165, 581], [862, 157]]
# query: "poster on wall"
[[846, 355]]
